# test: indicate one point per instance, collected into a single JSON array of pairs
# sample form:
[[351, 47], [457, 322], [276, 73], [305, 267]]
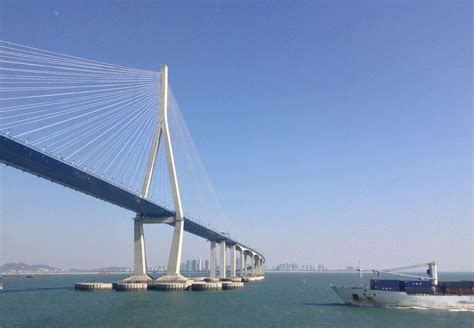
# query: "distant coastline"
[[11, 270]]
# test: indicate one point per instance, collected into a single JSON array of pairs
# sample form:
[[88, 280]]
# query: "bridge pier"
[[241, 262], [232, 262], [253, 264], [255, 261], [260, 266], [212, 261], [245, 265], [139, 254], [223, 264]]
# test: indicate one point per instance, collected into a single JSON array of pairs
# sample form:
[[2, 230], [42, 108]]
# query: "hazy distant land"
[[23, 268]]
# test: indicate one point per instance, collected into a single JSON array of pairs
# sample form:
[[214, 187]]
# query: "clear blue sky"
[[332, 130]]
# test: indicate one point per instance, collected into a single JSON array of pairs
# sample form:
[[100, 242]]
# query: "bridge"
[[99, 129]]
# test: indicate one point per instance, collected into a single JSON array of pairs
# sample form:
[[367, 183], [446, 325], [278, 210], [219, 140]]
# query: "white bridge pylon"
[[162, 133], [162, 136]]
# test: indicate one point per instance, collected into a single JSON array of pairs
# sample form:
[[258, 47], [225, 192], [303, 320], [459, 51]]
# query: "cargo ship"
[[421, 292]]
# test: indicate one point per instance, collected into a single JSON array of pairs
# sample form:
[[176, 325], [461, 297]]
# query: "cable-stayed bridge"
[[114, 133]]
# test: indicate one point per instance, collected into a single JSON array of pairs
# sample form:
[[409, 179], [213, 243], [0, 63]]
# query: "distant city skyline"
[[191, 265], [332, 131]]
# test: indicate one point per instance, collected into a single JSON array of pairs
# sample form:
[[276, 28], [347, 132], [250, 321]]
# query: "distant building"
[[287, 267], [199, 265], [188, 265]]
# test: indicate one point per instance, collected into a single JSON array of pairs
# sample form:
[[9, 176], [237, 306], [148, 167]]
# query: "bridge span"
[[84, 107], [28, 159]]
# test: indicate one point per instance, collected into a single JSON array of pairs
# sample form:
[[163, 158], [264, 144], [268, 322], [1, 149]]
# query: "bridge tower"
[[162, 132]]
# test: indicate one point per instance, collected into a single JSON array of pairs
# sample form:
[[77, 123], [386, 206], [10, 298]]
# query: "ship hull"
[[360, 296]]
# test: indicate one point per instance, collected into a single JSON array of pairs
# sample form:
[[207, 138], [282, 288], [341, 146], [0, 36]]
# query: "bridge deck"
[[35, 162]]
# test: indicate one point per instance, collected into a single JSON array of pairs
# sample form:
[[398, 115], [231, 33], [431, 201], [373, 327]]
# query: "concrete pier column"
[[213, 260], [253, 264], [241, 262], [232, 262], [245, 265], [139, 257], [223, 264]]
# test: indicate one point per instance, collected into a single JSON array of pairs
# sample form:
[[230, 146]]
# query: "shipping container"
[[458, 291], [417, 284], [380, 282], [418, 287], [457, 284], [387, 288]]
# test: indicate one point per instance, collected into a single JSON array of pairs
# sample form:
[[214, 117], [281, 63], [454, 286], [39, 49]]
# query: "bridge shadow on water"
[[41, 289]]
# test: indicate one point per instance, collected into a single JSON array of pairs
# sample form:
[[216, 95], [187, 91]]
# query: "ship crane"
[[432, 272]]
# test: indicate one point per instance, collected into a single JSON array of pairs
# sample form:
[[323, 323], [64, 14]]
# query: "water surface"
[[282, 300]]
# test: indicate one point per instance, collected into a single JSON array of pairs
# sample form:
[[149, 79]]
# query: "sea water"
[[282, 300]]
